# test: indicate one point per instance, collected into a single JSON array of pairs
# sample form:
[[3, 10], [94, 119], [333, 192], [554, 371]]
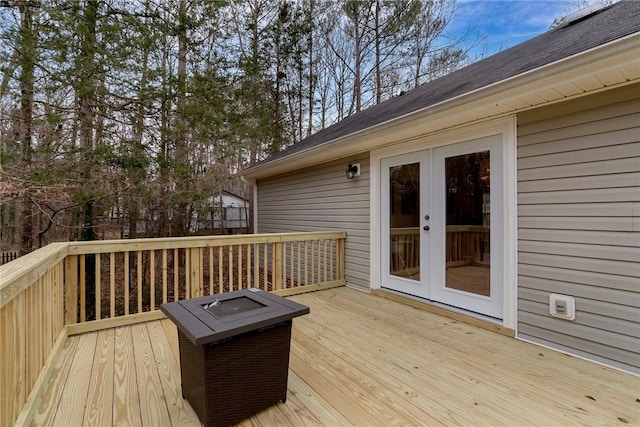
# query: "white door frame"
[[506, 127]]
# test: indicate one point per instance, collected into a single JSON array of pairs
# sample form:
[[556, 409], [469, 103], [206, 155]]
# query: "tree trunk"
[[312, 77], [86, 88], [378, 63], [299, 94], [182, 177], [282, 18], [160, 213], [357, 83], [86, 103], [137, 172], [27, 42]]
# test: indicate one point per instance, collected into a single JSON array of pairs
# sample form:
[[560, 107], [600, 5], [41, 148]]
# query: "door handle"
[[425, 228]]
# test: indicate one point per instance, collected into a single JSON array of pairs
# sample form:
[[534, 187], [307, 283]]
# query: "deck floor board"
[[53, 391], [153, 403], [357, 359], [76, 388], [98, 411], [126, 405]]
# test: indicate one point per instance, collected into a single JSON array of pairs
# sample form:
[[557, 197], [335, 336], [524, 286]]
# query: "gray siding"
[[322, 199], [579, 225]]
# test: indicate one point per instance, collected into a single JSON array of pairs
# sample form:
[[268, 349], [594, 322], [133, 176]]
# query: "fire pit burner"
[[231, 306]]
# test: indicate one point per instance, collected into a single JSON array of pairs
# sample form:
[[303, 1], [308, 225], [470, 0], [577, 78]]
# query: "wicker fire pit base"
[[228, 381]]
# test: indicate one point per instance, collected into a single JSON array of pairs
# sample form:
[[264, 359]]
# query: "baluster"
[[240, 271], [112, 285], [249, 266], [201, 271], [176, 275], [331, 255], [139, 274], [165, 284], [152, 279], [83, 289], [220, 270], [278, 260], [126, 283], [211, 273], [187, 273], [230, 280], [265, 283], [98, 288]]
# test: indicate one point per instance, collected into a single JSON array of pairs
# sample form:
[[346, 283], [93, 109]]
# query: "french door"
[[441, 217], [405, 201]]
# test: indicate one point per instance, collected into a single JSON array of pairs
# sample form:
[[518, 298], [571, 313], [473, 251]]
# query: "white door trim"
[[503, 126]]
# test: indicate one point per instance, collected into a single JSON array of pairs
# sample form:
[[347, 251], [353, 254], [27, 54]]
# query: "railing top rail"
[[468, 228], [106, 246], [22, 272], [404, 230]]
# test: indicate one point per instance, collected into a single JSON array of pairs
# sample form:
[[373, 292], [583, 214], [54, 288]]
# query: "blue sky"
[[507, 23]]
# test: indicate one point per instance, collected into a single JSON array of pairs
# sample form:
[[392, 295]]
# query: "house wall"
[[579, 225], [321, 198]]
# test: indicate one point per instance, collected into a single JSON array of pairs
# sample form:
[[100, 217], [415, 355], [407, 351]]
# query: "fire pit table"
[[234, 352]]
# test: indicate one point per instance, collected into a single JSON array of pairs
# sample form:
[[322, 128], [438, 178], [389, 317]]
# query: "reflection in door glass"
[[404, 221], [467, 181]]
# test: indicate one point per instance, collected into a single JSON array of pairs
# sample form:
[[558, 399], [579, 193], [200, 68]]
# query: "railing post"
[[194, 284], [71, 289], [340, 260]]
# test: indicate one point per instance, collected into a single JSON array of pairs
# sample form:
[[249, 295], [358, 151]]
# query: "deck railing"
[[62, 288], [465, 245], [404, 253]]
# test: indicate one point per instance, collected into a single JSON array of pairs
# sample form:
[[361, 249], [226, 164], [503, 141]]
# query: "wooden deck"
[[357, 359]]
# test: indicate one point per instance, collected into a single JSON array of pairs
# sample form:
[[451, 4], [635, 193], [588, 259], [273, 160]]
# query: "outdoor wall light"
[[353, 170]]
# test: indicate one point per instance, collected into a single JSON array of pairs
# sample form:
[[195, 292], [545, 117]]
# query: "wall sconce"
[[353, 170]]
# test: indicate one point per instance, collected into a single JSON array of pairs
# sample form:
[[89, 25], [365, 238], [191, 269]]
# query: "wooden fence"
[[57, 290]]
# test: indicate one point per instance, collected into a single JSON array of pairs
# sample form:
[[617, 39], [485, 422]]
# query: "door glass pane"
[[404, 221], [467, 222]]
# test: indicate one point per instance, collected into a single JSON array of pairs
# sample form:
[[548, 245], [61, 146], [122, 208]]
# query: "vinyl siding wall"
[[322, 199], [579, 225]]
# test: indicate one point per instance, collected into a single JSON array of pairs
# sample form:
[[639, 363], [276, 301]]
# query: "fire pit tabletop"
[[216, 317]]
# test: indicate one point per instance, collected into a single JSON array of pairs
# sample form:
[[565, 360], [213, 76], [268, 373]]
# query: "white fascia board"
[[473, 106]]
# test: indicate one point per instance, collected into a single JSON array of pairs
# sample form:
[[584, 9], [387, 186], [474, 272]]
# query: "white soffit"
[[611, 65]]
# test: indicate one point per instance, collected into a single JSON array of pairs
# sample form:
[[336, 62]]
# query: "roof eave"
[[515, 94]]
